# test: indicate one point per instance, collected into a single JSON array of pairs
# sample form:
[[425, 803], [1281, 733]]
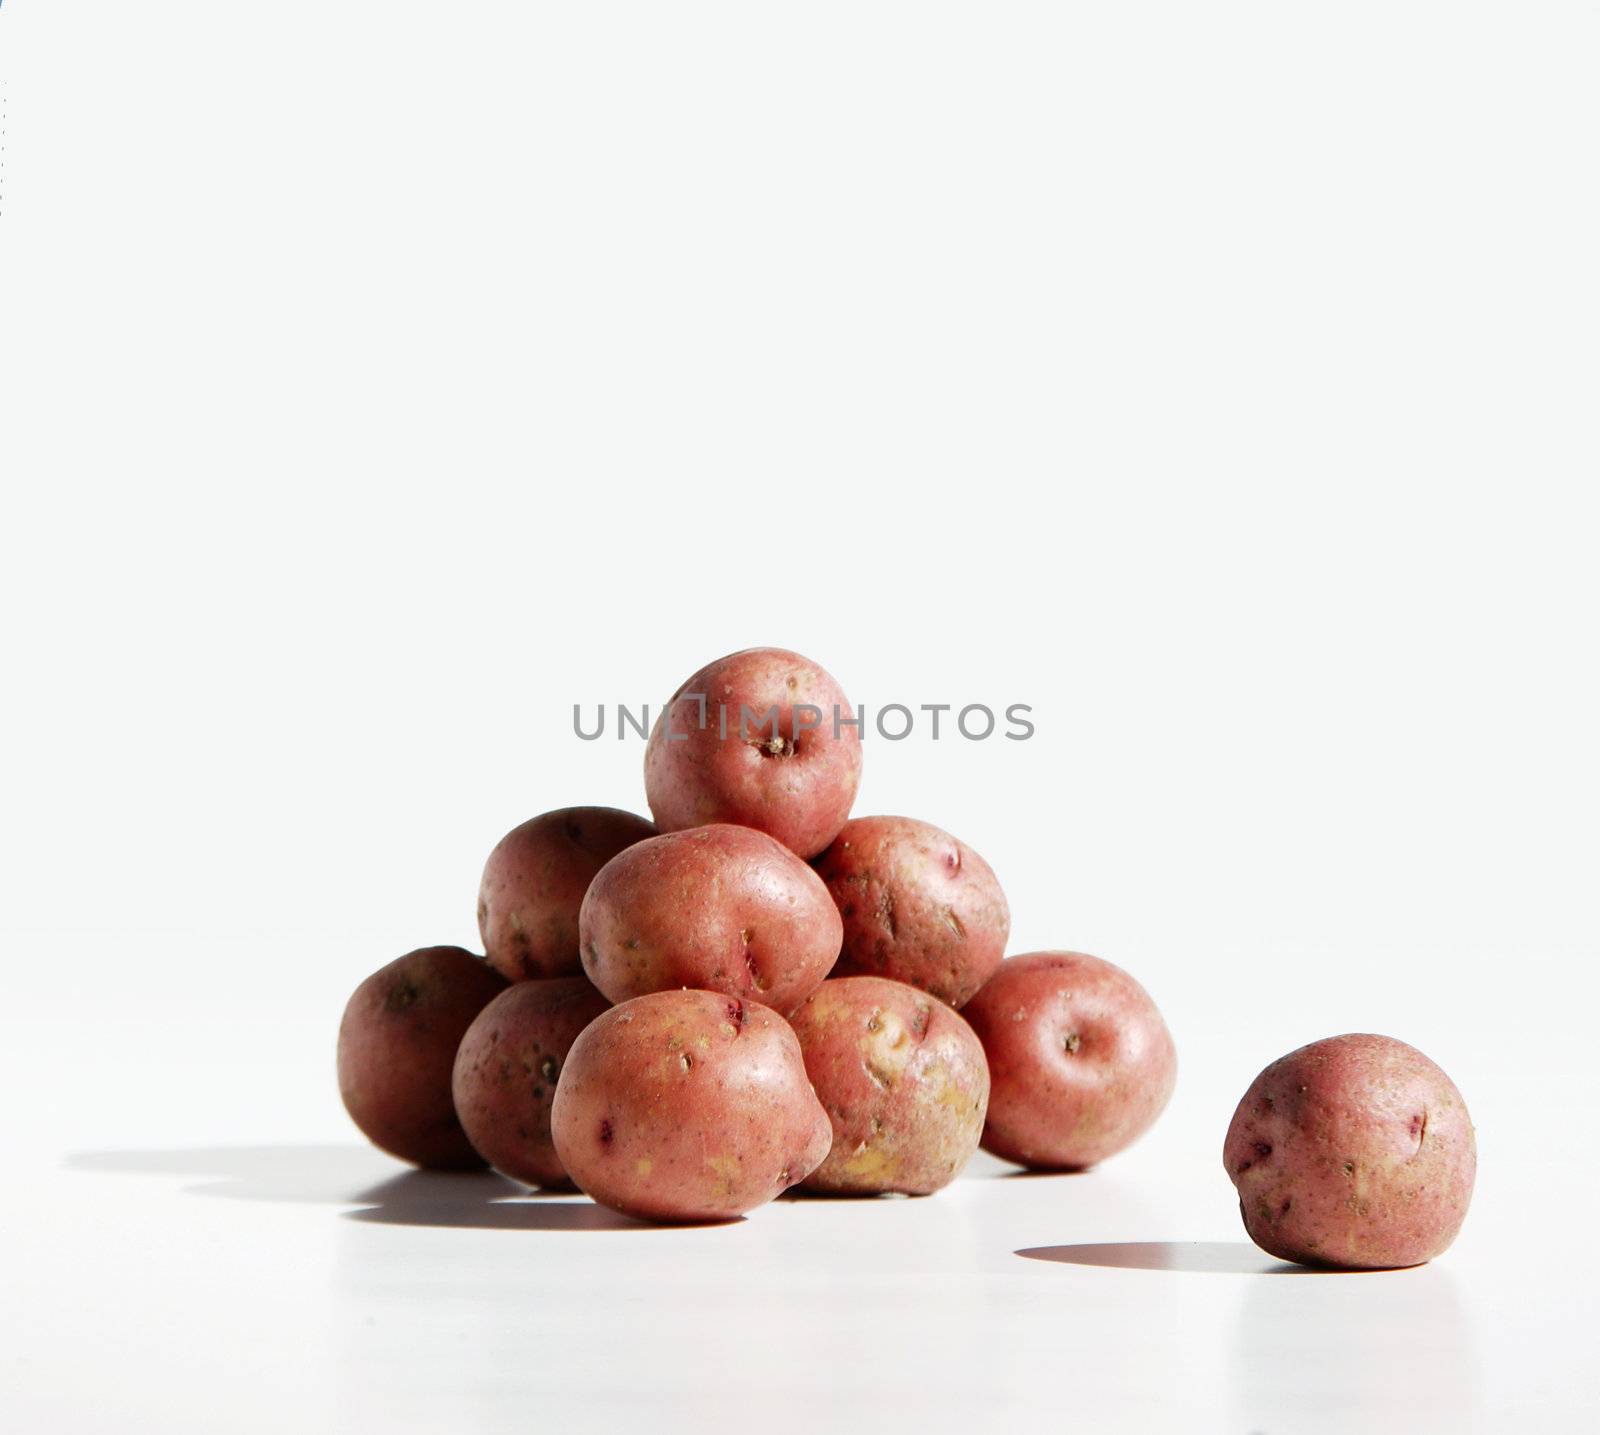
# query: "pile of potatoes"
[[756, 991]]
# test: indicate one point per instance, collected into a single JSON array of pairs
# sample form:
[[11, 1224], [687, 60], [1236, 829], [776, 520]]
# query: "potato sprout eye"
[[1367, 1203], [1071, 1042]]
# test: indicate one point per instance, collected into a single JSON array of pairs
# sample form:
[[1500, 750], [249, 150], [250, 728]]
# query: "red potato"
[[721, 908], [397, 1047], [506, 1071], [794, 780], [1356, 1151], [903, 1080], [918, 906], [533, 886], [687, 1106], [1080, 1061]]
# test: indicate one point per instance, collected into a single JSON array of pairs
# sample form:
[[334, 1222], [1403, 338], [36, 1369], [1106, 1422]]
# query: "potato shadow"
[[317, 1175], [362, 1177], [1236, 1258], [422, 1198], [984, 1166], [1043, 1173]]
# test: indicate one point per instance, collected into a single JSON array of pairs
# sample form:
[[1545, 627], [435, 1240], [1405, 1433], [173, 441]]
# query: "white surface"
[[378, 380], [162, 1275]]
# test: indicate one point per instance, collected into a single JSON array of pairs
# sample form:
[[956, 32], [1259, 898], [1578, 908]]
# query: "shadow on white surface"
[[359, 1176], [1020, 1173], [319, 1175], [1236, 1258], [432, 1198]]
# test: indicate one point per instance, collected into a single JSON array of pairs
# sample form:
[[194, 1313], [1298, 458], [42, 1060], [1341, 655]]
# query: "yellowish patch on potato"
[[945, 1091], [643, 1166], [826, 1008], [870, 1162], [726, 1170]]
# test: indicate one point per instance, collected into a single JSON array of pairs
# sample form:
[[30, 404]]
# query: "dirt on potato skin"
[[534, 883], [1354, 1152], [397, 1049], [507, 1068], [794, 782], [904, 1082], [919, 906], [717, 908], [687, 1106], [1080, 1060]]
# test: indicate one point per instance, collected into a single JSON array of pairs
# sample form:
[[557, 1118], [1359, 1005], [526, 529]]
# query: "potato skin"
[[1080, 1061], [397, 1048], [903, 1080], [506, 1071], [797, 791], [919, 906], [1356, 1151], [533, 886], [720, 908], [687, 1106]]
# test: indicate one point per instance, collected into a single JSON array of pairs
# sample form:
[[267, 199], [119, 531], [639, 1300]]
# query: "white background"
[[378, 380]]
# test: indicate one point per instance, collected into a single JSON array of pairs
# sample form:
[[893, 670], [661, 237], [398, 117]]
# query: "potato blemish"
[[886, 913], [872, 1163], [726, 1171], [401, 995]]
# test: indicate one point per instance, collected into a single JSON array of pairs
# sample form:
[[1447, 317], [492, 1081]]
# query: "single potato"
[[903, 1080], [533, 886], [721, 908], [506, 1071], [918, 906], [789, 768], [397, 1047], [1080, 1061], [687, 1106], [1356, 1151]]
